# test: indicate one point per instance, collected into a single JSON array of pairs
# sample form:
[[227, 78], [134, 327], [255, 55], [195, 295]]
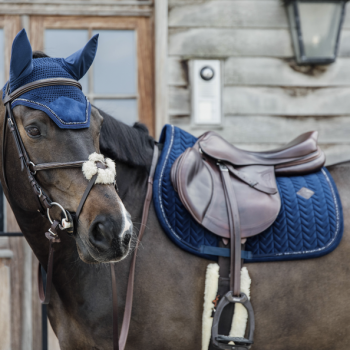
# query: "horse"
[[298, 304]]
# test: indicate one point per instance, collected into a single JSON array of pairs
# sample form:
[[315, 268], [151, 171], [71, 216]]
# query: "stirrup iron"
[[222, 341]]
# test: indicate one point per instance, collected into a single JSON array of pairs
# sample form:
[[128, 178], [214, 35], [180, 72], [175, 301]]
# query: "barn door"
[[120, 81]]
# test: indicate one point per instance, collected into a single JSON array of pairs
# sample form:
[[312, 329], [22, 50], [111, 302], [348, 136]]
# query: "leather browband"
[[38, 84]]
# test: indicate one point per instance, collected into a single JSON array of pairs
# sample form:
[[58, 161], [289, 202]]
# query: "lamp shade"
[[315, 28]]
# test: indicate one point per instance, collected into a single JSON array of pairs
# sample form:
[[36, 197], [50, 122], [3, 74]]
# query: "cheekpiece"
[[66, 105]]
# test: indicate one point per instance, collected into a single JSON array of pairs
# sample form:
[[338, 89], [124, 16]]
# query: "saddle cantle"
[[196, 177]]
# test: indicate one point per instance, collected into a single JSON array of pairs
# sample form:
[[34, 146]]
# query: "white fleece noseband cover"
[[105, 176]]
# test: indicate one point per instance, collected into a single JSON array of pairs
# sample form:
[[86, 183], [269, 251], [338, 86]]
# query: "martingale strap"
[[130, 290]]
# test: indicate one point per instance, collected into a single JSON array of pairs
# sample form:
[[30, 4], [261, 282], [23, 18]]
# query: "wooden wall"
[[267, 98]]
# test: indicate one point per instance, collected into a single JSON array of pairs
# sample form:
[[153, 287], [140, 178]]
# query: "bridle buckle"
[[65, 224]]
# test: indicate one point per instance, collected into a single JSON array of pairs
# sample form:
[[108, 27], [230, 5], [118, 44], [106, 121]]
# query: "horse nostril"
[[127, 238], [99, 232], [101, 236]]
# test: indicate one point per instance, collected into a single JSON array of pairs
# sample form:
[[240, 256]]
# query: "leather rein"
[[69, 220]]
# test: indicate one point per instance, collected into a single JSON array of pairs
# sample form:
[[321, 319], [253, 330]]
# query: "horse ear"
[[21, 64], [79, 63]]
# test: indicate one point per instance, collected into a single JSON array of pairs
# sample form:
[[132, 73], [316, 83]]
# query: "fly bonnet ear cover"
[[66, 105]]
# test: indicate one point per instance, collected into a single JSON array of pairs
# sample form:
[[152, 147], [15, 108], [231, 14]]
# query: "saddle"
[[233, 193]]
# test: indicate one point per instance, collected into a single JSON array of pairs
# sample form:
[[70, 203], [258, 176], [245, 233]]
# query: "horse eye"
[[33, 131]]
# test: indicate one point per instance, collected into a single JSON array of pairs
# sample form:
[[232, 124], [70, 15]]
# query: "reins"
[[68, 219]]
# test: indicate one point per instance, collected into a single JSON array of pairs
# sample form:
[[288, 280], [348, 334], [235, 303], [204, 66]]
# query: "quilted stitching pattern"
[[303, 228], [185, 229]]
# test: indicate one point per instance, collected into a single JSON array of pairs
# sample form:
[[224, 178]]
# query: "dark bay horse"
[[298, 305]]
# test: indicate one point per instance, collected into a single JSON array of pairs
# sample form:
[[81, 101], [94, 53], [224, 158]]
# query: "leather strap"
[[52, 236], [85, 195], [57, 165], [115, 309], [130, 289], [235, 237], [38, 84], [251, 182]]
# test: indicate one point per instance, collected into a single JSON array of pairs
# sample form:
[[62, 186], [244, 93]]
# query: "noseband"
[[92, 172]]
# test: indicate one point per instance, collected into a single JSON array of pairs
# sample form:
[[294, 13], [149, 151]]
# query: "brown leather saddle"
[[233, 193]]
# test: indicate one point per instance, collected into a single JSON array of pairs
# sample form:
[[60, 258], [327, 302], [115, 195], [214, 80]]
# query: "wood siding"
[[267, 98]]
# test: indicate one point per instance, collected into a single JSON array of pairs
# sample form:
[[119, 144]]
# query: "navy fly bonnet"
[[66, 105]]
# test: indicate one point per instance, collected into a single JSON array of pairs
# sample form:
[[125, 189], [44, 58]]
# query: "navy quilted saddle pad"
[[304, 228]]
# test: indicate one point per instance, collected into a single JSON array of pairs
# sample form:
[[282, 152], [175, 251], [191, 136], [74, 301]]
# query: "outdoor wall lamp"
[[315, 27]]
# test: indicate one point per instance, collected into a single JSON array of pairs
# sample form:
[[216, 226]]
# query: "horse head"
[[57, 125]]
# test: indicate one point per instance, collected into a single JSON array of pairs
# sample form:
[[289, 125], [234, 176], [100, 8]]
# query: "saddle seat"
[[197, 178]]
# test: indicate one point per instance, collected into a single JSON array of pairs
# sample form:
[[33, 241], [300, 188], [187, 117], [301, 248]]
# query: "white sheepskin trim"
[[240, 316], [211, 288], [105, 176]]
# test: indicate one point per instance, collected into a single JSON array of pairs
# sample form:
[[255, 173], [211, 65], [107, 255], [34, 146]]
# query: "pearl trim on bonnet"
[[105, 176]]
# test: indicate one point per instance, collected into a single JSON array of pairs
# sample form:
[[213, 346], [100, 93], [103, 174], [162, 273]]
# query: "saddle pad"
[[309, 225]]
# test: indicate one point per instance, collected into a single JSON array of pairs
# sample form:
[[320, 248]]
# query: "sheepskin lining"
[[240, 317], [105, 176]]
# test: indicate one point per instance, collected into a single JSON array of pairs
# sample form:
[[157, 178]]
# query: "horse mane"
[[128, 144], [39, 54]]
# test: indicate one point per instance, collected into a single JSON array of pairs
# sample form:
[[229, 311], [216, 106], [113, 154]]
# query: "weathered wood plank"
[[282, 72], [277, 130], [268, 71], [229, 14], [4, 241], [220, 43], [36, 306], [173, 3], [5, 306], [53, 341], [75, 9], [16, 268], [179, 101], [335, 152], [177, 71], [292, 101], [286, 101], [232, 13], [161, 64], [223, 43]]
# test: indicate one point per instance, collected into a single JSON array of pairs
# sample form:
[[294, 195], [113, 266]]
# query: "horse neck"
[[132, 150]]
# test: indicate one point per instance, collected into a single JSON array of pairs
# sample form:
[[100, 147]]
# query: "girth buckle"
[[223, 341]]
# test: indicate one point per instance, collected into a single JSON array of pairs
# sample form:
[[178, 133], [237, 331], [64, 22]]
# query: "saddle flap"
[[199, 185]]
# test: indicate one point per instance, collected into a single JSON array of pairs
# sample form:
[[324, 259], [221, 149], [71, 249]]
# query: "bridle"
[[69, 220], [44, 202]]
